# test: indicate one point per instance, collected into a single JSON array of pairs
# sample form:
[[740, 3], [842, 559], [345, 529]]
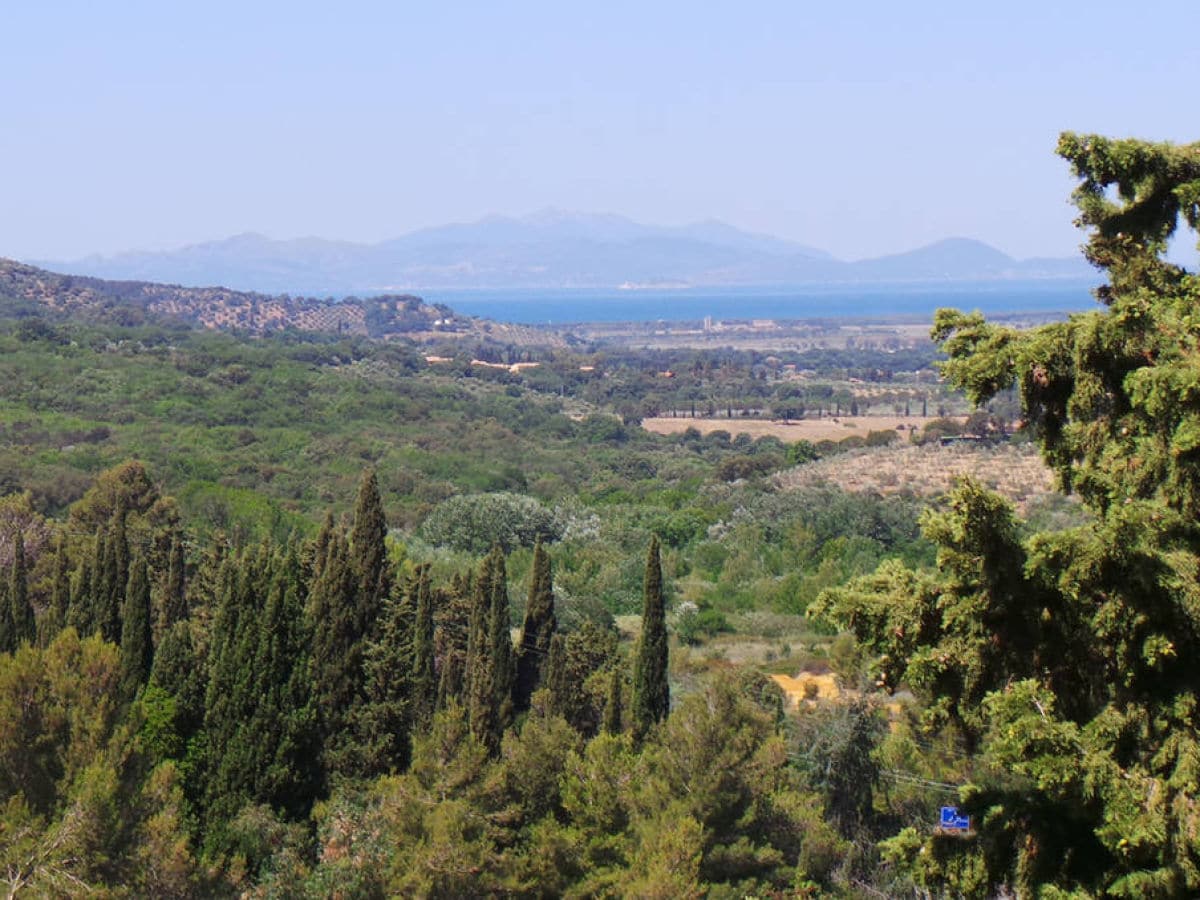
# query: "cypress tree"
[[536, 630], [424, 677], [452, 639], [120, 543], [181, 673], [8, 642], [110, 593], [24, 626], [175, 602], [368, 548], [82, 613], [489, 655], [612, 705], [59, 609], [651, 692], [337, 653], [282, 732], [478, 676], [137, 650], [232, 697], [555, 678], [500, 647], [383, 726]]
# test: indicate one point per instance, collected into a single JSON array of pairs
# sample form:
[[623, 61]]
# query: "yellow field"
[[826, 429]]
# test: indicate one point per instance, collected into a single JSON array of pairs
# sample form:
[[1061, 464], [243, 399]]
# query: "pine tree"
[[137, 651], [651, 692], [1066, 659], [175, 601], [536, 631]]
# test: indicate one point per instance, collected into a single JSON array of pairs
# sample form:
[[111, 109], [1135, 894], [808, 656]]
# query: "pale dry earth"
[[828, 428], [1014, 470]]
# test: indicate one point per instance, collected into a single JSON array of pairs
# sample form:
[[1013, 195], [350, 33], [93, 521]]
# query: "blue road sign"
[[952, 821]]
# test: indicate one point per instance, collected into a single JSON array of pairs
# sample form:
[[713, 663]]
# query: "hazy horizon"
[[861, 131]]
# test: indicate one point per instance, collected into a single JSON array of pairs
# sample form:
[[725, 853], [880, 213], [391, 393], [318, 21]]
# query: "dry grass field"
[[826, 429], [807, 688], [1013, 470]]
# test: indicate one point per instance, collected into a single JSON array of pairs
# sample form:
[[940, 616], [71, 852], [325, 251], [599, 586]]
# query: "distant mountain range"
[[552, 249]]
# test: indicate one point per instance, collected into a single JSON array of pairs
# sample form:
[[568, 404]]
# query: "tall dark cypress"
[[478, 675], [24, 623], [59, 610], [383, 724], [424, 678], [501, 648], [110, 594], [8, 641], [555, 677], [337, 653], [368, 548], [233, 691], [82, 613], [137, 650], [175, 601], [651, 692], [282, 732], [536, 630], [612, 704], [489, 655]]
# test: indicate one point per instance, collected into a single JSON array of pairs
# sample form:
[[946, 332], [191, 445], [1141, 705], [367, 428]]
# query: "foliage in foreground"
[[1066, 661]]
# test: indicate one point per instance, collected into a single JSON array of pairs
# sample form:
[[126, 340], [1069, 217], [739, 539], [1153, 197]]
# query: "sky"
[[861, 128]]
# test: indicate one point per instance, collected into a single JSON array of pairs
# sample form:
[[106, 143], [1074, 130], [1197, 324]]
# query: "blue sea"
[[575, 305]]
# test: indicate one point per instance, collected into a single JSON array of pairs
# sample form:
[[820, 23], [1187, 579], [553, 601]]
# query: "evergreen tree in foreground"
[[651, 692], [1067, 659], [537, 630]]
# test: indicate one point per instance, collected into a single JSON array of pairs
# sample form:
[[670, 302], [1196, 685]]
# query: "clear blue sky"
[[858, 127]]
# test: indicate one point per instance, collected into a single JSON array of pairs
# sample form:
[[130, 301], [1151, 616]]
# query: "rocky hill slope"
[[132, 302]]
